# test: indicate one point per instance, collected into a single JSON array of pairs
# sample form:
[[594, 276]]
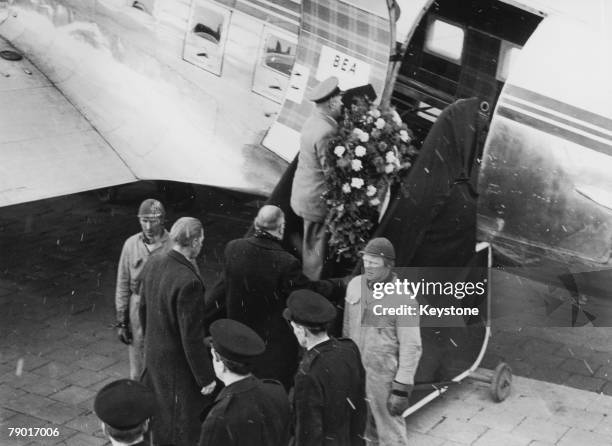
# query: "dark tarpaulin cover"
[[434, 223]]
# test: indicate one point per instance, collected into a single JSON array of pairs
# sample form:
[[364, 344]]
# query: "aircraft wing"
[[47, 147]]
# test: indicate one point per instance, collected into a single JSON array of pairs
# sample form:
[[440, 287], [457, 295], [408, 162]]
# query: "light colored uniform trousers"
[[136, 348], [382, 429], [314, 249]]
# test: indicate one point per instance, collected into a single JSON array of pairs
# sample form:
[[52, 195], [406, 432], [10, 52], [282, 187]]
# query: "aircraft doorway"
[[459, 50]]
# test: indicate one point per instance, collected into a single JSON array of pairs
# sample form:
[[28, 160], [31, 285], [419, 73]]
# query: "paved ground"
[[536, 414], [58, 347]]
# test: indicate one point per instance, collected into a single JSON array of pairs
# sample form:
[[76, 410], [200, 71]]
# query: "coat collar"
[[266, 243], [323, 346], [391, 277], [325, 117], [311, 355], [164, 238], [183, 260], [241, 386]]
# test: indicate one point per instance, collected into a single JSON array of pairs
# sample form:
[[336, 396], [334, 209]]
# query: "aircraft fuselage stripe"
[[553, 117], [561, 107], [271, 9], [554, 129]]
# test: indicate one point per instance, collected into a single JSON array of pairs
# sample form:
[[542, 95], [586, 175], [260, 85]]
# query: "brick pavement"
[[58, 347], [57, 278]]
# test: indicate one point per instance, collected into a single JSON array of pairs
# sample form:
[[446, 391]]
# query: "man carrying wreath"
[[309, 181]]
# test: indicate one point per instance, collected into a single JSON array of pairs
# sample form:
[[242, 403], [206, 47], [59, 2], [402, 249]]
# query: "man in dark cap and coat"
[[309, 182], [125, 407], [177, 367], [247, 411], [329, 394], [258, 276]]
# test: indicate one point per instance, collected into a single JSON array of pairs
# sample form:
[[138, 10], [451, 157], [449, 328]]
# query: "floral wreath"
[[371, 151]]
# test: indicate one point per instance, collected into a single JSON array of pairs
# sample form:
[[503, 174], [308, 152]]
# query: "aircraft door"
[[545, 185]]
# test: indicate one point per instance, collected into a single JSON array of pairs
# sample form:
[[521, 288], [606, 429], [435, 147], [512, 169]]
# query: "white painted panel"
[[283, 140], [298, 83], [350, 71]]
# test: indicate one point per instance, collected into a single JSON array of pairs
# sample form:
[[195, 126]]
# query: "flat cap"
[[151, 208], [235, 341], [381, 247], [125, 404], [324, 90], [308, 308]]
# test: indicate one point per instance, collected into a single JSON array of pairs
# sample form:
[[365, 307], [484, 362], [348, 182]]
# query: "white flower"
[[360, 151], [357, 183], [374, 201], [359, 203], [404, 136], [396, 117], [341, 207], [371, 191], [356, 165], [390, 157], [389, 168], [375, 113], [364, 137], [380, 123], [346, 188], [339, 151], [357, 131]]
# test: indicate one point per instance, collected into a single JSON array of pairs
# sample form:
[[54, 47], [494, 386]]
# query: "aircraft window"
[[507, 54], [205, 41], [279, 54], [445, 40], [210, 29], [276, 58], [144, 5]]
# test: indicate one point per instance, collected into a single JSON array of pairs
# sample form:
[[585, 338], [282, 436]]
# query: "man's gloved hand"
[[124, 333], [399, 398]]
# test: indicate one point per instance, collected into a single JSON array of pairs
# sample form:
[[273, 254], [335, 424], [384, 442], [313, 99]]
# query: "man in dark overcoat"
[[248, 411], [329, 394], [177, 367], [257, 278]]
